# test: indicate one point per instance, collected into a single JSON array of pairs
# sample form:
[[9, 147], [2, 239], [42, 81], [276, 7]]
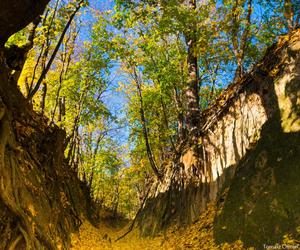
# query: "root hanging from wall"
[[41, 199]]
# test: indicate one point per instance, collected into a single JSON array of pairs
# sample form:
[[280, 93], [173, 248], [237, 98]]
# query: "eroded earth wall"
[[41, 199], [231, 129]]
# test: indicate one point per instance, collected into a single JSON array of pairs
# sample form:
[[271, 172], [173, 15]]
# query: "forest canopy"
[[128, 80]]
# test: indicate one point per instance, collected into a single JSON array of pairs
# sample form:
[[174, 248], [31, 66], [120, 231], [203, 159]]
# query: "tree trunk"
[[180, 117], [43, 98], [144, 125], [239, 48], [45, 71], [289, 14], [192, 89]]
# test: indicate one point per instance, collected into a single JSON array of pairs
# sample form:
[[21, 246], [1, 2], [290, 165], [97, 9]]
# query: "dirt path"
[[197, 236], [92, 238]]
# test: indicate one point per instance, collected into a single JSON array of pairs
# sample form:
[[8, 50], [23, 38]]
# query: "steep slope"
[[262, 108], [41, 199], [263, 202]]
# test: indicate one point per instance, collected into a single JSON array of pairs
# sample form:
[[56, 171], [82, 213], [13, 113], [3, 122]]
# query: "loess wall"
[[230, 129], [41, 198]]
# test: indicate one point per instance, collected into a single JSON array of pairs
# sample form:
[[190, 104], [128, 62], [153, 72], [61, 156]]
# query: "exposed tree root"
[[15, 242], [135, 218]]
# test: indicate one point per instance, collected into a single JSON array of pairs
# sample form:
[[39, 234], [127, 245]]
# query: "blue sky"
[[114, 100]]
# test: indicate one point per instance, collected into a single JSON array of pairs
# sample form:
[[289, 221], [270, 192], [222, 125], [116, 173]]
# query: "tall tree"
[[59, 42], [151, 158], [192, 88]]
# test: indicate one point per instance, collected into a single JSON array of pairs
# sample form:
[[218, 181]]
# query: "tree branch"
[[45, 71]]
